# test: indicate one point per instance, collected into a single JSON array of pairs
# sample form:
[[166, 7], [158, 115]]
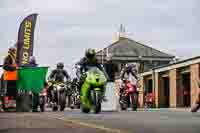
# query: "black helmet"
[[32, 60], [60, 65], [75, 80], [90, 53], [131, 67]]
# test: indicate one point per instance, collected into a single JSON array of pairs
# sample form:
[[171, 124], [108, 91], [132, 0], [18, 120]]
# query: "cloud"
[[68, 27]]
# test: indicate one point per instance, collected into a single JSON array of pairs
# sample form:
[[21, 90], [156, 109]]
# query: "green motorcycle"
[[92, 90]]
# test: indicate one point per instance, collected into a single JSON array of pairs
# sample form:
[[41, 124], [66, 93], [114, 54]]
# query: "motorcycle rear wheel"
[[85, 110], [133, 101], [123, 108], [54, 108], [42, 108]]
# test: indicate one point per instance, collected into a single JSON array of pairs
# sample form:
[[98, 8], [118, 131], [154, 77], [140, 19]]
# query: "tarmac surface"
[[151, 121]]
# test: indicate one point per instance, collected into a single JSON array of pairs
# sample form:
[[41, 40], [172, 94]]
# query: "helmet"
[[75, 80], [90, 53], [60, 65], [131, 67], [12, 50], [32, 60]]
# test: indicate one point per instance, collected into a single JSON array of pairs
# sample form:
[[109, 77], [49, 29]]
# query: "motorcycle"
[[95, 78], [128, 95], [75, 96], [9, 103], [149, 100], [42, 99], [58, 94], [69, 93], [49, 95]]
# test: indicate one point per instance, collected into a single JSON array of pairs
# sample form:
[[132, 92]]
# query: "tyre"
[[123, 108], [72, 99], [62, 108], [77, 102], [68, 101], [41, 100], [62, 101], [54, 108], [85, 110], [78, 107], [71, 107], [96, 100], [134, 101], [123, 103], [42, 108]]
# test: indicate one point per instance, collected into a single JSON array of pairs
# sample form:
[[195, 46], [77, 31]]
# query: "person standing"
[[35, 100], [10, 72], [35, 96]]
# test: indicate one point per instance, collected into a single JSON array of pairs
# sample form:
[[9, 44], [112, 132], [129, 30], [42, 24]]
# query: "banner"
[[31, 78], [25, 41]]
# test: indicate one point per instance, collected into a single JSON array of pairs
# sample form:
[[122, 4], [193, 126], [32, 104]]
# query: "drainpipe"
[[154, 83]]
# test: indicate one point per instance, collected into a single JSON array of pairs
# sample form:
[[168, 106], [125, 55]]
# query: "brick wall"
[[141, 92], [194, 73], [173, 84], [157, 89]]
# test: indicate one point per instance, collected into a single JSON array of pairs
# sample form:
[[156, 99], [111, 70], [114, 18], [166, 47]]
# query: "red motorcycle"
[[9, 102], [128, 96], [149, 100]]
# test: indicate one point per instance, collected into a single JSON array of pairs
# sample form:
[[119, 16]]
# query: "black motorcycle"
[[75, 96]]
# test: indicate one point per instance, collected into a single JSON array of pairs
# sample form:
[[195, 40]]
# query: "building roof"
[[129, 50], [178, 64]]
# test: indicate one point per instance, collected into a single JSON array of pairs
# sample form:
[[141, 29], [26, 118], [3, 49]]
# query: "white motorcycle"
[[59, 96]]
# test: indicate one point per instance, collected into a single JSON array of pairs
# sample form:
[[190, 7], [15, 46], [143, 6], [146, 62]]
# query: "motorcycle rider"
[[58, 75], [129, 72], [129, 69], [88, 61]]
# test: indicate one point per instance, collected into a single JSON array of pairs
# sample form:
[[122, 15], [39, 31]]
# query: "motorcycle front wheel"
[[96, 100], [62, 101], [84, 109]]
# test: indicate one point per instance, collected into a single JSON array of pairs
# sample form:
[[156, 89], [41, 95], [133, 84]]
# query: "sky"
[[65, 28]]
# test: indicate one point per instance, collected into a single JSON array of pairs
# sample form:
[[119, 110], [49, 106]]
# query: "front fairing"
[[60, 87], [95, 77]]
